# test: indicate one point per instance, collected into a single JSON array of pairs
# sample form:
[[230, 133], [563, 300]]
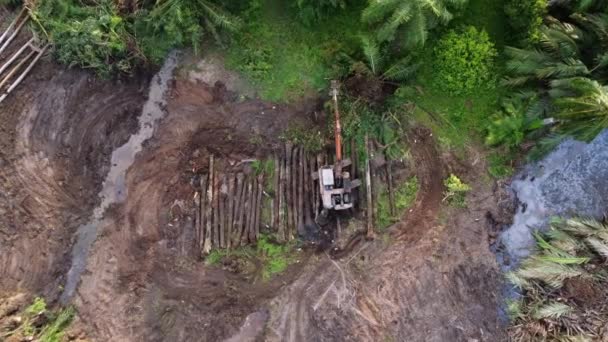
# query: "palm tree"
[[414, 17], [370, 73]]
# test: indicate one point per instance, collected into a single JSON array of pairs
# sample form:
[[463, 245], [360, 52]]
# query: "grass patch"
[[405, 194], [499, 164], [285, 59], [51, 331], [272, 257]]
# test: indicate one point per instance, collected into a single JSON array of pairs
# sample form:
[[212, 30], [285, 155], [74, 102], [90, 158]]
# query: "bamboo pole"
[[288, 191], [208, 211], [16, 68], [13, 23], [222, 209], [20, 78], [15, 56], [230, 213], [203, 213], [259, 206], [281, 193], [15, 32], [238, 211]]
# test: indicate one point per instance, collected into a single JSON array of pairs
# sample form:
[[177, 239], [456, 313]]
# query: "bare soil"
[[432, 278]]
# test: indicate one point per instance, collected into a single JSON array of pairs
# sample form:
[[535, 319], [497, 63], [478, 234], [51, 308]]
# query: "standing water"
[[114, 189], [572, 180]]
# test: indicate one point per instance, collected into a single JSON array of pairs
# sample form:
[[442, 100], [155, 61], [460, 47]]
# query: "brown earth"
[[432, 278]]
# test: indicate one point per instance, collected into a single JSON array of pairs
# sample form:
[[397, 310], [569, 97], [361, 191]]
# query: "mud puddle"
[[113, 188]]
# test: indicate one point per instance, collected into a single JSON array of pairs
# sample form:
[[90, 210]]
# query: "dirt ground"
[[432, 278]]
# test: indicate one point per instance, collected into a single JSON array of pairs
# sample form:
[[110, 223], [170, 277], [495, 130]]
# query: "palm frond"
[[553, 310], [598, 246], [371, 51], [401, 70]]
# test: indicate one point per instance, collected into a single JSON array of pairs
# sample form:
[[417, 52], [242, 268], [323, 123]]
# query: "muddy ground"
[[432, 278]]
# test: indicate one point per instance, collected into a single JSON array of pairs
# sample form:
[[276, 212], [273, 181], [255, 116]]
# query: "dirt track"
[[433, 280]]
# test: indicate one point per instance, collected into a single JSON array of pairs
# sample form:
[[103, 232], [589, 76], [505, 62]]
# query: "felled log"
[[247, 211], [259, 206], [289, 191], [222, 209], [282, 236], [275, 203], [208, 210], [238, 210], [230, 212], [202, 213], [368, 191]]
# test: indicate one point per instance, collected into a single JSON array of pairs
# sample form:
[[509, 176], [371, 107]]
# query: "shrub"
[[464, 61], [456, 191], [90, 37], [525, 18], [311, 11], [510, 126]]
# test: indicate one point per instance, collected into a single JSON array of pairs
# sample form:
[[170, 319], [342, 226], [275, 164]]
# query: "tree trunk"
[[275, 204], [259, 206], [368, 191], [247, 211]]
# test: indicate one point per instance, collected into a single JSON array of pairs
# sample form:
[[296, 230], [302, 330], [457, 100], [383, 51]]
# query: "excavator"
[[335, 184]]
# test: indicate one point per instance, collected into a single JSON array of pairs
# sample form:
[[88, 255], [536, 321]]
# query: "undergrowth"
[[405, 194], [273, 257], [285, 59], [456, 191], [52, 328]]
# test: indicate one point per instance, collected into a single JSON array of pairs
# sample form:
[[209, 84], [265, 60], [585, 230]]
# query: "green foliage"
[[313, 140], [565, 254], [273, 257], [464, 61], [311, 11], [455, 192], [90, 37], [414, 18], [51, 331], [54, 331], [265, 167], [499, 164], [526, 18], [405, 194], [510, 126], [286, 60]]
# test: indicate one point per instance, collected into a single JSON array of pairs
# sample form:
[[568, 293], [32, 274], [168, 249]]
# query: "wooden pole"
[[222, 209], [259, 206], [300, 192], [247, 211], [288, 191], [216, 213], [252, 207], [203, 212], [368, 190], [230, 213], [208, 211], [281, 207], [294, 192], [238, 205], [276, 181]]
